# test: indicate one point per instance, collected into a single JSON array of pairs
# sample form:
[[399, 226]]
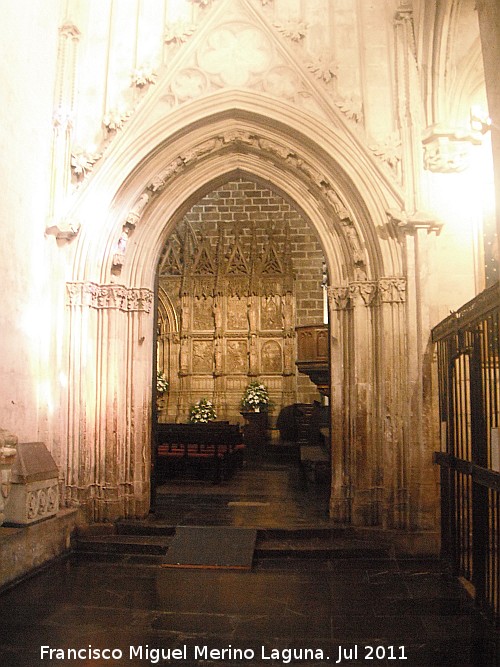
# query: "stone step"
[[145, 527], [318, 548], [319, 543], [123, 544], [152, 539]]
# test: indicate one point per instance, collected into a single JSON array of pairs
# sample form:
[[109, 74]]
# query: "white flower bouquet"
[[161, 383], [202, 412], [255, 398]]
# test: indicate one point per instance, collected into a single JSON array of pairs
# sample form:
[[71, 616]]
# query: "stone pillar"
[[340, 403], [394, 358], [367, 455], [8, 444], [108, 460], [489, 26], [370, 403], [63, 121], [420, 231]]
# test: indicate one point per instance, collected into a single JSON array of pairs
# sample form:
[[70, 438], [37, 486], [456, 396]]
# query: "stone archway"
[[110, 299]]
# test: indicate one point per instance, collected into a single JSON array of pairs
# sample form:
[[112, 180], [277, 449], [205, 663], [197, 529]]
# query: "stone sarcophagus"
[[34, 492]]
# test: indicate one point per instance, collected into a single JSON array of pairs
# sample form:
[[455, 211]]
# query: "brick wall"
[[241, 202]]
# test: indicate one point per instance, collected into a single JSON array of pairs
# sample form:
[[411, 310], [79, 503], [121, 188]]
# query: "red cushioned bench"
[[216, 448]]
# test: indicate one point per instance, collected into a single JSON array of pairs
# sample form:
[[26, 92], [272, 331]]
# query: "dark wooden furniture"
[[313, 355], [214, 449]]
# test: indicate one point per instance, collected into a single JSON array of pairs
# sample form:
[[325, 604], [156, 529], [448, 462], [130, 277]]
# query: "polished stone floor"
[[264, 494], [362, 604]]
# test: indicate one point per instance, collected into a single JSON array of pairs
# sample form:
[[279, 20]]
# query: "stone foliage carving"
[[352, 108], [368, 293], [324, 68], [132, 219], [178, 33], [115, 119], [390, 152], [82, 162], [115, 297], [392, 290], [204, 263], [294, 30], [143, 76]]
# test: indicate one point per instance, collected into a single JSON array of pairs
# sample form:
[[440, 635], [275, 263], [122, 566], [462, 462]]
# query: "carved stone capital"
[[448, 150], [363, 292], [368, 292], [392, 290], [339, 297], [69, 30], [112, 297]]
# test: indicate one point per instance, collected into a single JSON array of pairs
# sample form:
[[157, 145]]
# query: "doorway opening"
[[241, 271]]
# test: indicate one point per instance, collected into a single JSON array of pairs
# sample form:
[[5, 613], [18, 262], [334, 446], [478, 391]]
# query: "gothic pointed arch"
[[167, 158]]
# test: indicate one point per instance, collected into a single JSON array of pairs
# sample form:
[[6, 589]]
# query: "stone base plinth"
[[26, 548]]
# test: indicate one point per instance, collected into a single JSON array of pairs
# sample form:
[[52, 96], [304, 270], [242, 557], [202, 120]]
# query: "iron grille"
[[468, 352]]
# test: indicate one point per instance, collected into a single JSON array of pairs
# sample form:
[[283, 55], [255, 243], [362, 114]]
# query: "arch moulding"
[[128, 208]]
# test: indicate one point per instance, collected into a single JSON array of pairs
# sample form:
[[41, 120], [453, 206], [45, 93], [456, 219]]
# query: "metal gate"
[[468, 346]]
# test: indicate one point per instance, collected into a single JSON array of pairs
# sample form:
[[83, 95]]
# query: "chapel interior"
[[207, 196]]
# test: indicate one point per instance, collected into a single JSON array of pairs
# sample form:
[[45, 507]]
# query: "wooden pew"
[[216, 448]]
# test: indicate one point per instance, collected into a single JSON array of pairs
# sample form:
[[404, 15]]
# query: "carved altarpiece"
[[231, 289]]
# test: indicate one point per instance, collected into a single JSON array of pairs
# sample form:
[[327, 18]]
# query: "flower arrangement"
[[202, 412], [161, 383], [256, 397]]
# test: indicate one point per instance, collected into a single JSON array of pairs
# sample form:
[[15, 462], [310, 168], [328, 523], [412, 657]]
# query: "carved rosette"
[[42, 502], [8, 444], [113, 297]]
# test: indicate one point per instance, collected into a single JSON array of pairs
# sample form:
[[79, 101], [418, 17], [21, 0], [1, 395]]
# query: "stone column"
[[420, 231], [107, 464], [367, 456], [8, 444], [489, 26], [340, 403], [396, 396]]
